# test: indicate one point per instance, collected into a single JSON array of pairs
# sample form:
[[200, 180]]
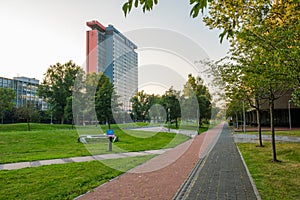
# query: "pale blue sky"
[[36, 34]]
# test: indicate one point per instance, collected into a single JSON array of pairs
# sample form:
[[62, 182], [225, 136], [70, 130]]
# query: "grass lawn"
[[43, 143], [274, 180], [33, 127], [17, 146], [65, 181]]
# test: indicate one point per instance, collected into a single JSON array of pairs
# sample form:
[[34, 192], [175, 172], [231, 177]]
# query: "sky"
[[36, 34]]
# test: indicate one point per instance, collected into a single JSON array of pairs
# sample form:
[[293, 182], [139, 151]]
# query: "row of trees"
[[74, 96], [78, 97], [263, 62], [264, 57], [24, 113], [64, 87], [195, 96]]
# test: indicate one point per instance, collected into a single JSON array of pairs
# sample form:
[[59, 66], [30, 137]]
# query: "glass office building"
[[110, 52], [25, 89]]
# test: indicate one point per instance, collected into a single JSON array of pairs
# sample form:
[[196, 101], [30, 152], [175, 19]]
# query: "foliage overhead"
[[235, 12]]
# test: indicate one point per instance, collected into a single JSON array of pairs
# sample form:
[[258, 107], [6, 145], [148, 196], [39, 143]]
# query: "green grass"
[[21, 146], [33, 127], [18, 146], [274, 180], [159, 140], [39, 126], [65, 181]]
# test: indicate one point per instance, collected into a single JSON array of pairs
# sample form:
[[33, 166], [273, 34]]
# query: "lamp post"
[[244, 116], [289, 107], [51, 122], [169, 119]]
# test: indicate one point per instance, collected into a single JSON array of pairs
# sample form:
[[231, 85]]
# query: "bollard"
[[111, 134], [110, 143]]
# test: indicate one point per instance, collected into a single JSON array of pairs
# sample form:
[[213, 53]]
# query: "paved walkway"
[[20, 165], [222, 174], [251, 138], [190, 133], [161, 177]]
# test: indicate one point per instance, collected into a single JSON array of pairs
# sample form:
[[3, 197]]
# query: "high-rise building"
[[110, 52]]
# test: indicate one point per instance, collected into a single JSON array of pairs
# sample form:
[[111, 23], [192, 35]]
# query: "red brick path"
[[163, 183]]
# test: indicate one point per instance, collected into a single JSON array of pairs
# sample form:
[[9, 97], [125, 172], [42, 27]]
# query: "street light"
[[169, 119], [244, 124], [289, 107], [51, 122]]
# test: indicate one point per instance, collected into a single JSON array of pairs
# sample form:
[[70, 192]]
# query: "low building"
[[285, 112], [25, 89]]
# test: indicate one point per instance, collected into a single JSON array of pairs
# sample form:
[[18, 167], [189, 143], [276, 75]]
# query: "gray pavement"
[[222, 174], [189, 133], [20, 165], [251, 138]]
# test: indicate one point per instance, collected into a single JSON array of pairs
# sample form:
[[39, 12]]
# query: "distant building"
[[26, 90], [284, 112], [110, 52]]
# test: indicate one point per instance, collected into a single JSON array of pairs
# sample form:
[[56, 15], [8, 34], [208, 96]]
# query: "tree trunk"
[[62, 119], [258, 120], [273, 130], [108, 122], [237, 121], [176, 121], [258, 112], [28, 124]]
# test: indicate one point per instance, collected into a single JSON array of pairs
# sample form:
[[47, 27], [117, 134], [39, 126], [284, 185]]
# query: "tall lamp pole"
[[169, 119], [51, 122], [289, 107], [244, 116]]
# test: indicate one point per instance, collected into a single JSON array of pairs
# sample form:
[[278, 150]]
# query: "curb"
[[249, 175]]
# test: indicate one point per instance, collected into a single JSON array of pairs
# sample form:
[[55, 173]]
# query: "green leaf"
[[221, 36], [125, 9]]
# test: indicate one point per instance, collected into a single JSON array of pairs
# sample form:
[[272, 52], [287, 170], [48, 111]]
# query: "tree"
[[58, 85], [6, 101], [68, 110], [241, 85], [195, 86], [141, 104], [29, 113], [106, 100], [170, 101]]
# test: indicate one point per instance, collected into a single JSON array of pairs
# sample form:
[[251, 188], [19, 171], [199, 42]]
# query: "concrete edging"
[[249, 175]]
